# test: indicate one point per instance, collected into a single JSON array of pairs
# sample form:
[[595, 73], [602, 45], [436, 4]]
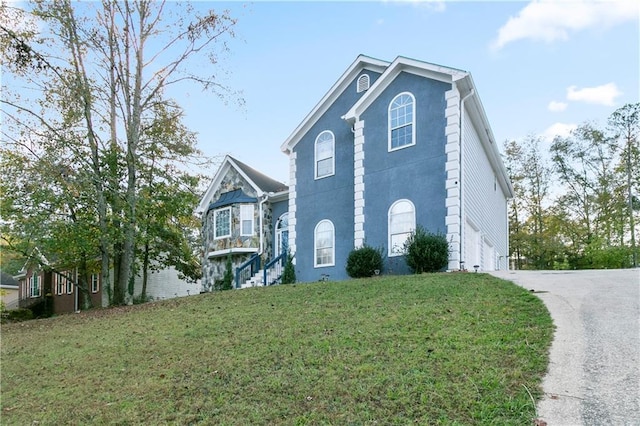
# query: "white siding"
[[165, 284], [485, 205]]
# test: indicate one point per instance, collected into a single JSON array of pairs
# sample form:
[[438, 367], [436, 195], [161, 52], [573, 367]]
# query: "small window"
[[222, 223], [402, 221], [363, 83], [58, 284], [325, 144], [69, 282], [246, 219], [324, 247], [401, 118], [95, 283]]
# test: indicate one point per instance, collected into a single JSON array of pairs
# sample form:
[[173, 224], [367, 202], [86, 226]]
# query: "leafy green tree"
[[91, 83], [625, 123]]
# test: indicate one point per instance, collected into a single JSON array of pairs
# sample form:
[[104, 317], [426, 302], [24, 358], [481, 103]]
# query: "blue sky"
[[540, 67]]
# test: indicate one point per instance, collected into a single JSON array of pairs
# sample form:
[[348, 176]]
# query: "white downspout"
[[462, 212]]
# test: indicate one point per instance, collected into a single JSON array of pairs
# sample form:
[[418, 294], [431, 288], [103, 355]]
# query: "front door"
[[282, 235]]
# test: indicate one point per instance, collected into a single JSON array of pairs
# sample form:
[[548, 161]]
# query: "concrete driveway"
[[594, 370]]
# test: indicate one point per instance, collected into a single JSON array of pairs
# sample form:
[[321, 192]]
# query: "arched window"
[[363, 83], [324, 154], [402, 221], [282, 234], [323, 244], [401, 121]]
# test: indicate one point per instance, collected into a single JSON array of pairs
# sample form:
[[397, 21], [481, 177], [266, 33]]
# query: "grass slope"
[[427, 349]]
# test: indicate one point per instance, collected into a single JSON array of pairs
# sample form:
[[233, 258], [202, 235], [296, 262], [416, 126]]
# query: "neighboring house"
[[34, 284], [244, 218], [392, 145], [38, 286], [8, 291]]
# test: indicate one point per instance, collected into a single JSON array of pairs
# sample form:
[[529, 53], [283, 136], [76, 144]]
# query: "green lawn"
[[457, 348]]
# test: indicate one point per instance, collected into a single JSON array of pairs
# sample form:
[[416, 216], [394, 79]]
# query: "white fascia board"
[[227, 163], [278, 196], [215, 183], [480, 120], [400, 64], [361, 62]]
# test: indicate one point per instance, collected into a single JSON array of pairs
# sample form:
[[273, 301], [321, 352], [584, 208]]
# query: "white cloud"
[[433, 5], [601, 95], [556, 106], [558, 129], [551, 20]]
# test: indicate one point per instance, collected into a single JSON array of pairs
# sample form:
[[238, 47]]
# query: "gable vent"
[[363, 82]]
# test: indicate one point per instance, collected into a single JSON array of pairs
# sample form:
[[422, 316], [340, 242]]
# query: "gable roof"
[[362, 62], [390, 70], [260, 182]]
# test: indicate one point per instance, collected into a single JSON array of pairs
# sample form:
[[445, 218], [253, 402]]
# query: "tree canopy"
[[587, 218], [96, 163]]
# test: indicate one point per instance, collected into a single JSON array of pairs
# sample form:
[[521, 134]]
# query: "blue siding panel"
[[416, 173], [328, 198]]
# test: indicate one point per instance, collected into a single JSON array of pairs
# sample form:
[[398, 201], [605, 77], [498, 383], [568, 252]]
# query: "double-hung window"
[[70, 282], [95, 283], [34, 285], [402, 221], [222, 223], [324, 247], [325, 147], [401, 121], [246, 219]]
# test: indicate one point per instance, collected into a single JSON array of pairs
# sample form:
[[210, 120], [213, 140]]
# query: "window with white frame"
[[402, 221], [246, 219], [323, 242], [325, 146], [34, 285], [69, 282], [363, 83], [222, 223], [95, 283], [401, 121], [58, 283]]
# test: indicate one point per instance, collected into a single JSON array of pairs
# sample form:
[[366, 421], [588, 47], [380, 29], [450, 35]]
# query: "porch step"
[[256, 280]]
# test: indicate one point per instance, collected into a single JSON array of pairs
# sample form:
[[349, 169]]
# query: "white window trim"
[[390, 251], [69, 283], [95, 278], [333, 155], [37, 285], [245, 207], [215, 223], [333, 245], [413, 123]]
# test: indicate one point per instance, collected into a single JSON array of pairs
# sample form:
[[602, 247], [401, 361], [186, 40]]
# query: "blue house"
[[393, 145]]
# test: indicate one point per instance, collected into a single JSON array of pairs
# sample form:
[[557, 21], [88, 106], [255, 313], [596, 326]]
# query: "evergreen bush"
[[426, 251], [227, 279], [289, 273], [364, 261]]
